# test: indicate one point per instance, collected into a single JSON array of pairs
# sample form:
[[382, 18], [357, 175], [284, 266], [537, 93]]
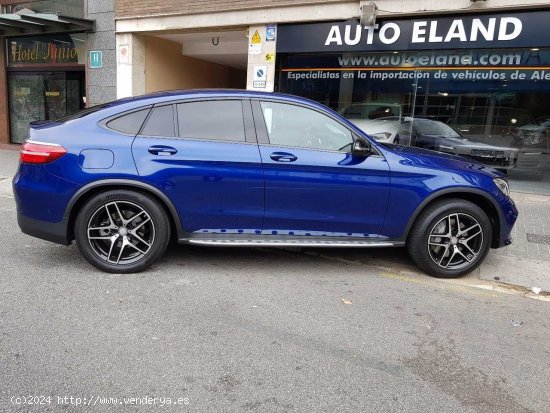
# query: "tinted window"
[[130, 123], [289, 125], [161, 122], [216, 120], [430, 127], [353, 112]]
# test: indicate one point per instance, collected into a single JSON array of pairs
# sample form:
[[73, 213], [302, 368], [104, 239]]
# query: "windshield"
[[430, 127], [542, 122]]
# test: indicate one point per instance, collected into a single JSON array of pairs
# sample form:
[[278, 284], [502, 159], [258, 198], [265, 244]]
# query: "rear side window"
[[212, 120], [160, 123], [129, 123]]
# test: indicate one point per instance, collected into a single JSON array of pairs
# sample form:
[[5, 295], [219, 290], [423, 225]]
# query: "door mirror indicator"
[[361, 148]]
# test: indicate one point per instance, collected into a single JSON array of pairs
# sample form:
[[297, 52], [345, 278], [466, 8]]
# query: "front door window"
[[295, 126]]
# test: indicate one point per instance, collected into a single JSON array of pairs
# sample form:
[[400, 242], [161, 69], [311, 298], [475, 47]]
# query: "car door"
[[313, 184], [204, 156]]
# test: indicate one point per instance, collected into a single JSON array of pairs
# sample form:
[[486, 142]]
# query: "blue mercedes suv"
[[240, 168]]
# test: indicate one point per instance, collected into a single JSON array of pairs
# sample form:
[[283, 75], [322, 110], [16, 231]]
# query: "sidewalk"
[[8, 165], [525, 263]]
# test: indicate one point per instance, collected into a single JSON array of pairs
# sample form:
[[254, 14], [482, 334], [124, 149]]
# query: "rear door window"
[[212, 120], [160, 122], [129, 123]]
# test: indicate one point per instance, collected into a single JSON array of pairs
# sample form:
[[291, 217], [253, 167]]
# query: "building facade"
[[46, 68], [473, 80]]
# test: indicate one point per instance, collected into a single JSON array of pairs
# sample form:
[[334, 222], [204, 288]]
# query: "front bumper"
[[508, 217], [506, 161]]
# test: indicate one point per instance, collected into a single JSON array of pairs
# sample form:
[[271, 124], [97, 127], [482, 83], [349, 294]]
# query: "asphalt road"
[[253, 330]]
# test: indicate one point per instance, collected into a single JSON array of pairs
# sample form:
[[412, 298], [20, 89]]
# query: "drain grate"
[[538, 238]]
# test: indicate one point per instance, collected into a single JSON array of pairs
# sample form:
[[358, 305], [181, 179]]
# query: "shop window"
[[129, 123], [160, 123], [70, 8], [212, 120], [42, 96], [295, 126], [487, 105]]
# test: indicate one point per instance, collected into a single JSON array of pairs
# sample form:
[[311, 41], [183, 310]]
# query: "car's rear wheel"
[[450, 238], [122, 231]]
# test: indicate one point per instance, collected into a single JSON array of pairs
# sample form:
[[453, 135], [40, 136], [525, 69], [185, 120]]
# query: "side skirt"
[[245, 240]]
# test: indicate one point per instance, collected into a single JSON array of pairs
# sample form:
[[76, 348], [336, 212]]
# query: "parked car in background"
[[435, 135], [536, 134], [483, 122], [373, 110], [241, 168]]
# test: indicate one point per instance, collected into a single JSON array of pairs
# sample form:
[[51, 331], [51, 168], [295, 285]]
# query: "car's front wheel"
[[450, 238], [122, 231]]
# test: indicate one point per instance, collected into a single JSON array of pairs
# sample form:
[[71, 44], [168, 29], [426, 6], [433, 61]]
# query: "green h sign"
[[96, 59]]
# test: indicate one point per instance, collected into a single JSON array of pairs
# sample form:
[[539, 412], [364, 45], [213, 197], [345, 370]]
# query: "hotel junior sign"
[[39, 50]]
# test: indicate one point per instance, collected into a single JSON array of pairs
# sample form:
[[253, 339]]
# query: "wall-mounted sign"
[[270, 32], [460, 67], [513, 29], [124, 54], [51, 50], [260, 77], [255, 43], [96, 59]]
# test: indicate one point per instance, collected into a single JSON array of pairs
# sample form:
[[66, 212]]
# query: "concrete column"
[[4, 109], [345, 96], [130, 65], [101, 82], [261, 56]]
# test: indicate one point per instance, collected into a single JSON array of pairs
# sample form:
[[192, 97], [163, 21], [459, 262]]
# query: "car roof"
[[109, 109], [157, 97]]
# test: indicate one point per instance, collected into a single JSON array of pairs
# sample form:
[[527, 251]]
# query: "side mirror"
[[361, 148]]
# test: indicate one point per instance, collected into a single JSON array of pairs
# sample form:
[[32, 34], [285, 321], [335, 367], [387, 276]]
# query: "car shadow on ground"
[[385, 257]]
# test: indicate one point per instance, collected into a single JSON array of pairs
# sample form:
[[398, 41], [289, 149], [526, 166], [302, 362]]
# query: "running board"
[[286, 242]]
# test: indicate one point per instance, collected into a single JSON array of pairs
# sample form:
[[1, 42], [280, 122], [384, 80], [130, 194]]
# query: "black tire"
[[431, 240], [137, 239]]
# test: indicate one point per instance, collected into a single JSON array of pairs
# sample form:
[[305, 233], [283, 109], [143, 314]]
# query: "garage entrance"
[[190, 60]]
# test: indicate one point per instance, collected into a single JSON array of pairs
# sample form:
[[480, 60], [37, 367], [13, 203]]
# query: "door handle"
[[162, 150], [283, 157]]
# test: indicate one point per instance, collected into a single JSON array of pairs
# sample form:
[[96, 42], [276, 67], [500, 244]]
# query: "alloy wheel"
[[455, 241], [121, 232]]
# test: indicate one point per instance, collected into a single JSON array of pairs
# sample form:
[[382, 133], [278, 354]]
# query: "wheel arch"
[[476, 196], [88, 191]]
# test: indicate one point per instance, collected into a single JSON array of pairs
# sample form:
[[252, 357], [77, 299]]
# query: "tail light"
[[41, 152]]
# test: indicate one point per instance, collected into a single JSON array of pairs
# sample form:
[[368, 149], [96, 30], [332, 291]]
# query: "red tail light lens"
[[41, 152]]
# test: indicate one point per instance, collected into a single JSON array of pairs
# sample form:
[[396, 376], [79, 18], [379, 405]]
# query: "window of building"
[[212, 120], [69, 8], [495, 102]]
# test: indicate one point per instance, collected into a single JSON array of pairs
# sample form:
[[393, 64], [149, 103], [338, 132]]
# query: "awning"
[[37, 23]]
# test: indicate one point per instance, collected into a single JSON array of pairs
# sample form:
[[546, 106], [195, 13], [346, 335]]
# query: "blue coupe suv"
[[239, 168]]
